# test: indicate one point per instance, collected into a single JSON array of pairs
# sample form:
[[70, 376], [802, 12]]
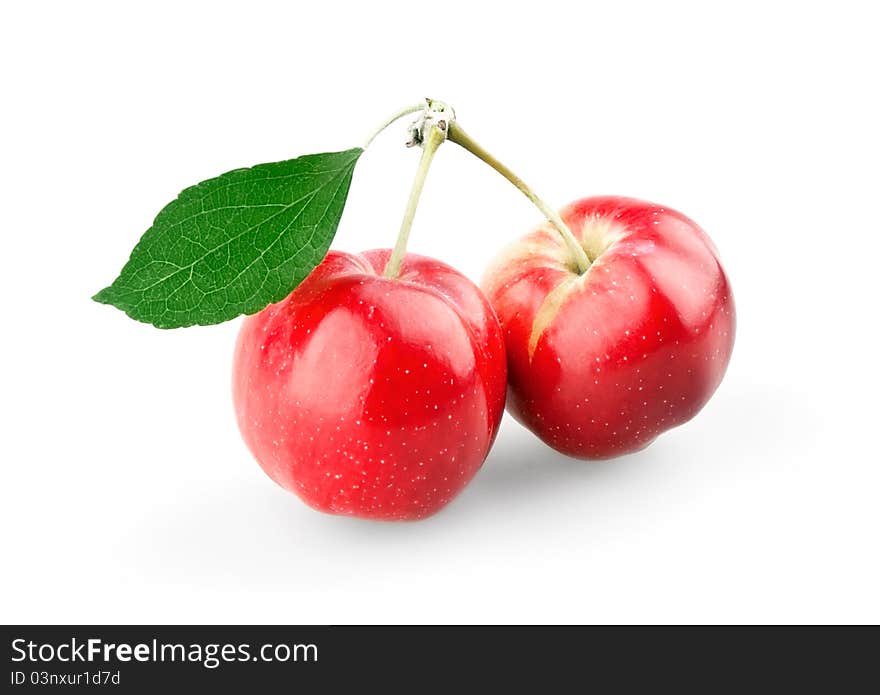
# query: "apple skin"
[[368, 396], [600, 364]]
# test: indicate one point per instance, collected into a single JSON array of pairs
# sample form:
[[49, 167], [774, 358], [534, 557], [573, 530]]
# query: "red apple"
[[600, 363], [371, 396]]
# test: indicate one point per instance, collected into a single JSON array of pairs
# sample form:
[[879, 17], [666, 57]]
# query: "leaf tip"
[[102, 297]]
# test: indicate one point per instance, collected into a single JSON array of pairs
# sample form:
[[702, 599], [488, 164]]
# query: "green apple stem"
[[432, 140], [457, 135], [413, 108]]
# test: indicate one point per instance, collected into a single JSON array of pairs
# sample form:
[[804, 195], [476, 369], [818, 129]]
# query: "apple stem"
[[457, 135], [412, 108], [430, 142]]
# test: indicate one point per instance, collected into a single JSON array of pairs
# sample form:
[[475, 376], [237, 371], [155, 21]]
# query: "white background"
[[127, 494]]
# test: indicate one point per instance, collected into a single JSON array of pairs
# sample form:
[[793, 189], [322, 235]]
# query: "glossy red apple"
[[600, 363], [371, 396]]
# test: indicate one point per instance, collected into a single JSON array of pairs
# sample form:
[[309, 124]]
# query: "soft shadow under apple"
[[249, 533]]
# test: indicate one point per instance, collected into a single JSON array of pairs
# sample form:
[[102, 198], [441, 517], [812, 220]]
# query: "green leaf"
[[234, 244]]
